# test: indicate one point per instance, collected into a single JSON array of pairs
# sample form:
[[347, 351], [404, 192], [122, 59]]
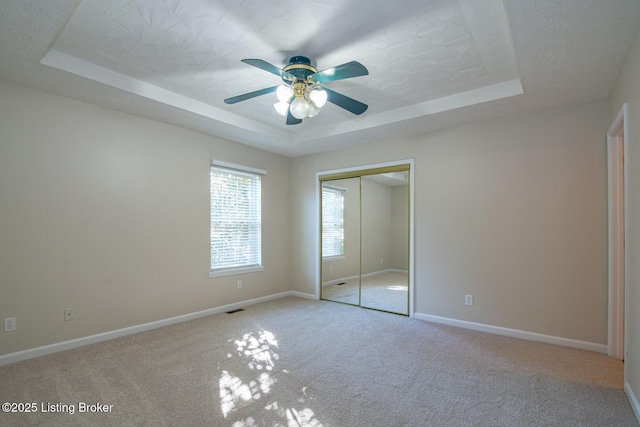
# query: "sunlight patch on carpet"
[[259, 349], [237, 391]]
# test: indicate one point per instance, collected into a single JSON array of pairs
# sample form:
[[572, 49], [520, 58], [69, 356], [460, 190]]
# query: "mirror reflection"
[[341, 240], [385, 244], [365, 241]]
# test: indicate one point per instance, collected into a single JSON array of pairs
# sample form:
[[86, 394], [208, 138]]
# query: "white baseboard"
[[304, 295], [364, 276], [632, 399], [92, 339], [515, 333]]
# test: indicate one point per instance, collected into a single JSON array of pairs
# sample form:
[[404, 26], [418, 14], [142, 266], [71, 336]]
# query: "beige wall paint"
[[627, 90], [376, 226], [513, 211], [108, 214], [400, 227]]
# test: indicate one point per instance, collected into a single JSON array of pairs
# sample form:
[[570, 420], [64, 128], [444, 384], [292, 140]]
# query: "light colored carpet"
[[387, 292], [295, 362]]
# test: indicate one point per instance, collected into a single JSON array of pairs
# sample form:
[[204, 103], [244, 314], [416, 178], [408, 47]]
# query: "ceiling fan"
[[302, 95]]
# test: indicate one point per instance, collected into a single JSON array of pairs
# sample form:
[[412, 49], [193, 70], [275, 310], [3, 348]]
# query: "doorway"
[[365, 229], [616, 150]]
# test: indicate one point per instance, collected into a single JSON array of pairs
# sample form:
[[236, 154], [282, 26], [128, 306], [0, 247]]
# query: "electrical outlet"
[[68, 314], [9, 324], [239, 284], [468, 300]]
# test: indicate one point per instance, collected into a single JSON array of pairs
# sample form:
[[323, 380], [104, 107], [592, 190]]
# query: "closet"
[[365, 229]]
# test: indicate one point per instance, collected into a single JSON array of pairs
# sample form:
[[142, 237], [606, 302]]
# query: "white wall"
[[108, 214], [627, 90], [513, 211]]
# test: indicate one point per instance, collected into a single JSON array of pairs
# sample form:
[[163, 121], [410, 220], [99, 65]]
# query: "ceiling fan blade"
[[340, 72], [292, 120], [264, 65], [343, 101], [250, 95]]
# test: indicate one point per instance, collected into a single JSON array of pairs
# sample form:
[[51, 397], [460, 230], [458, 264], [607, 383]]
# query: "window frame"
[[238, 170], [338, 191]]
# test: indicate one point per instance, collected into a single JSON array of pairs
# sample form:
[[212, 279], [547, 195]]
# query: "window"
[[332, 222], [236, 229]]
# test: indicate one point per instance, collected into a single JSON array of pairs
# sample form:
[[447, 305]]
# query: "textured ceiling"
[[432, 64]]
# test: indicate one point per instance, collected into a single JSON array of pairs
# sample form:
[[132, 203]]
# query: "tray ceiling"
[[186, 53], [426, 60]]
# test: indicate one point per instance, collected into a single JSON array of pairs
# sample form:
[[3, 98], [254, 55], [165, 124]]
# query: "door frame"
[[318, 233], [617, 149]]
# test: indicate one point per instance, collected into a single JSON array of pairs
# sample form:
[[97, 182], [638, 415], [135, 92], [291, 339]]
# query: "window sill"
[[234, 271], [332, 258]]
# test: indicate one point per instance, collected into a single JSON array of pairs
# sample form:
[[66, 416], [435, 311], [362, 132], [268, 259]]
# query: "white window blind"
[[236, 242], [332, 222]]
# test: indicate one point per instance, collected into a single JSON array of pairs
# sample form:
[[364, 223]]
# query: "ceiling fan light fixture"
[[281, 107], [284, 93], [299, 108], [319, 97], [302, 96]]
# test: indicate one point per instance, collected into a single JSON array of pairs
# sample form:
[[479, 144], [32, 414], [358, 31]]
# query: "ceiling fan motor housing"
[[300, 67]]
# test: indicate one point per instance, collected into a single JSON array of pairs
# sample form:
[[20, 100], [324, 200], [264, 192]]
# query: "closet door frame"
[[358, 171]]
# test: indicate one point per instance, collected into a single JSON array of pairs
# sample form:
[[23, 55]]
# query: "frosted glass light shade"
[[284, 93], [313, 109], [300, 108], [319, 97], [281, 108]]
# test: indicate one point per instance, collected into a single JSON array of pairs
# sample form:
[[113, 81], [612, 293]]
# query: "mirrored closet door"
[[365, 239], [341, 240]]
